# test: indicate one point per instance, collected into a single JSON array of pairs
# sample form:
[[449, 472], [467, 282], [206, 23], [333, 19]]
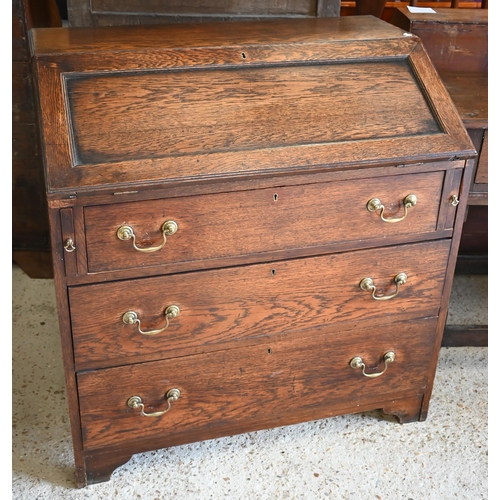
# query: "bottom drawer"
[[243, 389]]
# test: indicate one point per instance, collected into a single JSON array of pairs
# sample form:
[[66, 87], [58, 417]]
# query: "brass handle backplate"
[[375, 204], [136, 402], [131, 318], [357, 362], [368, 285], [126, 233]]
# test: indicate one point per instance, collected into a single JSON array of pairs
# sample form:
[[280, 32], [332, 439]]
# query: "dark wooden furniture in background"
[[353, 7], [217, 190], [457, 43], [30, 223], [125, 12]]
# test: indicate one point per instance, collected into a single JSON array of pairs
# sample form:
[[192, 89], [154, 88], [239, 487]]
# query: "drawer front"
[[247, 222], [222, 308], [238, 390]]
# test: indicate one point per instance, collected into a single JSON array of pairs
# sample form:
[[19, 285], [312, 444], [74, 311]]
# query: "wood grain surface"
[[456, 39], [221, 308], [270, 384], [92, 41], [137, 12], [177, 104], [256, 221], [130, 117], [264, 141]]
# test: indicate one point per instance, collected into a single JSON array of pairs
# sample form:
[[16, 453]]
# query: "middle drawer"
[[153, 318]]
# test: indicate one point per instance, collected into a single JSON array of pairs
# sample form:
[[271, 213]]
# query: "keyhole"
[[269, 351], [275, 196], [273, 272], [243, 55]]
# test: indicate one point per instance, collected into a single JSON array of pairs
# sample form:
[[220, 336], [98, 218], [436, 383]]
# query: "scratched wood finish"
[[244, 223], [456, 39], [130, 117], [219, 308], [269, 384]]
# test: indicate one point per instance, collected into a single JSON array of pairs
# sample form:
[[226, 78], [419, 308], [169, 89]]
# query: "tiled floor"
[[360, 456]]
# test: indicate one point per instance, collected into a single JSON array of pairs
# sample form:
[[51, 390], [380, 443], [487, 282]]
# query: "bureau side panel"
[[61, 291]]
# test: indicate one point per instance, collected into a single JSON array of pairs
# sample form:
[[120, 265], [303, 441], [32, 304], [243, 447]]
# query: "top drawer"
[[134, 235]]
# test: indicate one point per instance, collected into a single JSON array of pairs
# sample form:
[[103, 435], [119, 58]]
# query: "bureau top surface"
[[52, 41], [202, 102]]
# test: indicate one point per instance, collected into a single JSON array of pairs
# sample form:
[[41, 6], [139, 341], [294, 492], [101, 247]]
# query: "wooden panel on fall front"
[[177, 113]]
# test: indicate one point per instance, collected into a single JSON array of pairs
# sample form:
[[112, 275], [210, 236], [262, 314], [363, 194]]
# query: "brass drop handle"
[[69, 245], [368, 285], [126, 233], [357, 362], [136, 402], [375, 204], [131, 318]]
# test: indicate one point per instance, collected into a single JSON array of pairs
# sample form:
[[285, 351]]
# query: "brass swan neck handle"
[[126, 233], [375, 204]]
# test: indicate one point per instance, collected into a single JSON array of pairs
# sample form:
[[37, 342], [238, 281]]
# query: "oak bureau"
[[253, 224]]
